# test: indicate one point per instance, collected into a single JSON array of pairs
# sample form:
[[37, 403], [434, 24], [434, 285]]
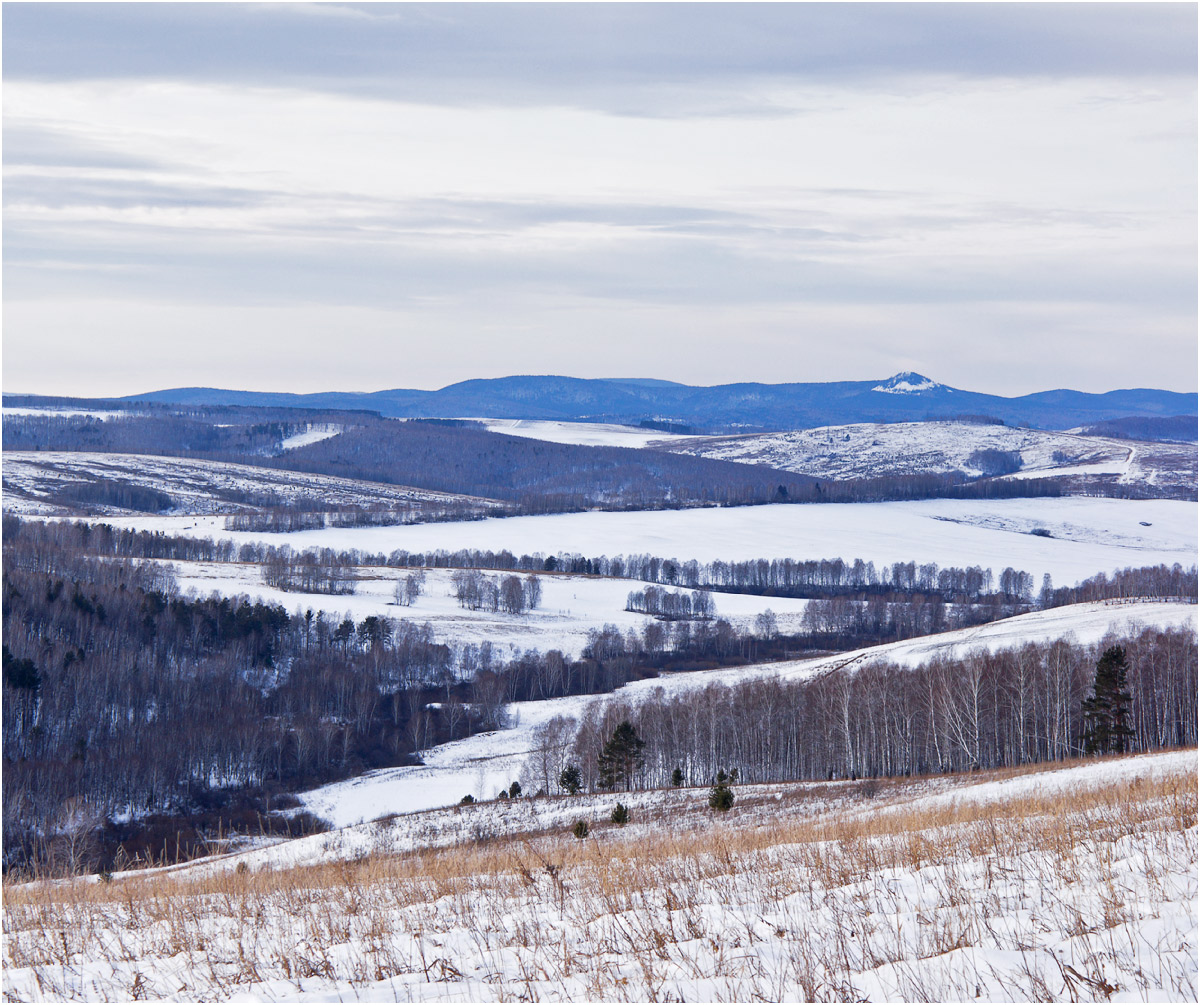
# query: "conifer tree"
[[570, 779], [1106, 713], [621, 757]]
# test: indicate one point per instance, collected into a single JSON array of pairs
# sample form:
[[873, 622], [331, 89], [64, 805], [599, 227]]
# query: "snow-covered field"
[[866, 450], [571, 605], [198, 486], [583, 434], [1051, 883], [481, 765], [1089, 535]]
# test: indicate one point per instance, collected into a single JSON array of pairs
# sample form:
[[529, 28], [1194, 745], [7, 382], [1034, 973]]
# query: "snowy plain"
[[483, 764], [1089, 535]]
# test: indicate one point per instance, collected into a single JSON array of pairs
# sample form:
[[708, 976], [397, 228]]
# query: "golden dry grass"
[[876, 896]]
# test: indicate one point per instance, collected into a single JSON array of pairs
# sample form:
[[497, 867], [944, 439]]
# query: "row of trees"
[[1038, 702], [809, 578]]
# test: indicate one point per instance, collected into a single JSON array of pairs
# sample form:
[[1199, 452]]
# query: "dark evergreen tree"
[[621, 757], [620, 814], [720, 797], [21, 674], [677, 776], [1106, 713], [571, 779]]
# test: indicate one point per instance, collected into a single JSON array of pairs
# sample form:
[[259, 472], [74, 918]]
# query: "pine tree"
[[1106, 713], [677, 776], [621, 757]]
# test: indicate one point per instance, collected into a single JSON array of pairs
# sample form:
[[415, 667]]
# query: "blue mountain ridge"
[[903, 397]]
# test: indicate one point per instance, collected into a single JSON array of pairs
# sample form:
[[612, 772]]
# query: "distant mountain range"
[[903, 397]]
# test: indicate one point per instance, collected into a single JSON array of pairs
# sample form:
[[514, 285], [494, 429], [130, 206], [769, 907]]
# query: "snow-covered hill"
[[197, 486], [868, 450], [584, 434]]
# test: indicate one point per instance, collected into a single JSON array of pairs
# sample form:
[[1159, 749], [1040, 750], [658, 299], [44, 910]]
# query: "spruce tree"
[[1106, 713], [621, 757]]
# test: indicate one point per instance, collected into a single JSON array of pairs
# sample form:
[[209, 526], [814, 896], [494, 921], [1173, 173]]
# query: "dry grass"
[[1072, 895]]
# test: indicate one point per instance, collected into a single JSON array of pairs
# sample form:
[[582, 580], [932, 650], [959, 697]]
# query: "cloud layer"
[[1000, 196]]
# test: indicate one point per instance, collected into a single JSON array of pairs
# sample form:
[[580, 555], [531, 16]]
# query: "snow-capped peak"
[[907, 383]]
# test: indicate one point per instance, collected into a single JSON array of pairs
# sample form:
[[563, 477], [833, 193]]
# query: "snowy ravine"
[[481, 765], [1052, 882]]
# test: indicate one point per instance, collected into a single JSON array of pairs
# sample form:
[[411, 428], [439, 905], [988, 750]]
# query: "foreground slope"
[[1075, 882]]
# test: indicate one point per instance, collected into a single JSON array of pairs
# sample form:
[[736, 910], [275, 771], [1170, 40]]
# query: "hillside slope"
[[869, 450], [1051, 883]]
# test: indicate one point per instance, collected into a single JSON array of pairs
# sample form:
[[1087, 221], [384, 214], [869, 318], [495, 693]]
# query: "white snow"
[[585, 434], [1057, 883], [906, 383], [1089, 535], [481, 765], [313, 433]]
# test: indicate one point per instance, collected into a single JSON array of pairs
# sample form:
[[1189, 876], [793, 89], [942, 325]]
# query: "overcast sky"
[[354, 197]]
